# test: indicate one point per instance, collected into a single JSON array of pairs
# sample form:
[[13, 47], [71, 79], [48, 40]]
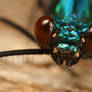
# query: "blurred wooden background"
[[35, 73]]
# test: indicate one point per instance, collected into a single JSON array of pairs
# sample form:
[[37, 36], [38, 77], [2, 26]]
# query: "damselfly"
[[65, 33]]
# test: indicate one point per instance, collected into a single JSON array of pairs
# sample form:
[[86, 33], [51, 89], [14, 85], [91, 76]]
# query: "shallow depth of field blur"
[[35, 73]]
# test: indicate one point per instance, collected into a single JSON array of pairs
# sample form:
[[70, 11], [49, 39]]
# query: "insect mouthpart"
[[64, 52]]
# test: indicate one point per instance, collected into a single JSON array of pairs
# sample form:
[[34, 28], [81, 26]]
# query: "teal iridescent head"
[[65, 39], [68, 40]]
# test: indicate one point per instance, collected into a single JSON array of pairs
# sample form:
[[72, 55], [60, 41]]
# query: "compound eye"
[[42, 30], [89, 41]]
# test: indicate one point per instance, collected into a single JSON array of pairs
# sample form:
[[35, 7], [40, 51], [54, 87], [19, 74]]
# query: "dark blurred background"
[[35, 73]]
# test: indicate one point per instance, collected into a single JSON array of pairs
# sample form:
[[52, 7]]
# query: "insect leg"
[[24, 52]]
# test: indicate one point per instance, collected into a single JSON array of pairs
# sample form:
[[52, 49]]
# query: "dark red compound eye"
[[89, 41], [42, 30]]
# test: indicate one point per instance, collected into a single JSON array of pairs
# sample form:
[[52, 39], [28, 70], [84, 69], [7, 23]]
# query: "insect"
[[65, 34]]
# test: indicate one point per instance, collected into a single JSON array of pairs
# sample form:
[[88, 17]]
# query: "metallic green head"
[[68, 40]]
